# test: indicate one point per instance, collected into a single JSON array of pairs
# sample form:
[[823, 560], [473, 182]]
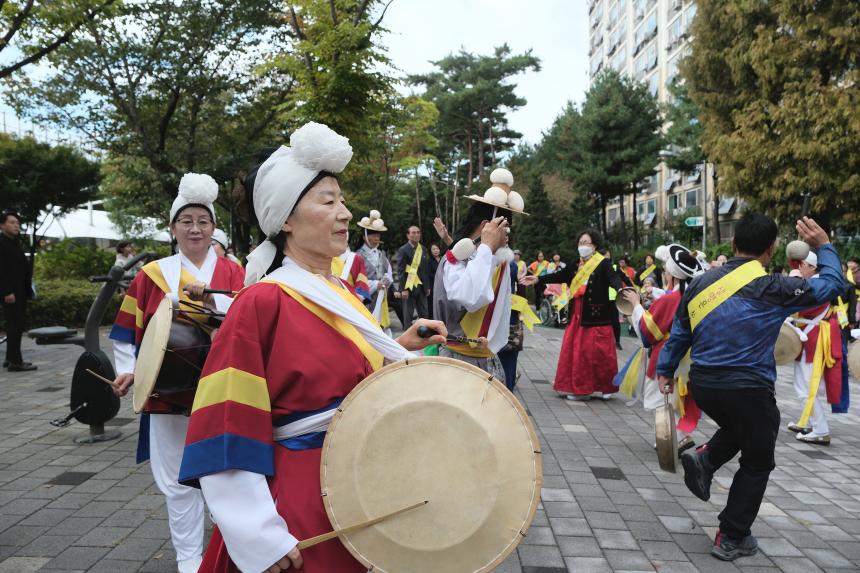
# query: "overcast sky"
[[557, 31]]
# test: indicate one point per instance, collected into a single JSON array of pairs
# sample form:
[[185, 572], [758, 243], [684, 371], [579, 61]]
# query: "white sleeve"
[[123, 357], [471, 285], [372, 285], [222, 302], [634, 319], [255, 534]]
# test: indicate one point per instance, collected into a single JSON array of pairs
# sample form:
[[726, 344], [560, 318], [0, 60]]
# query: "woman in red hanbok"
[[587, 363], [291, 348]]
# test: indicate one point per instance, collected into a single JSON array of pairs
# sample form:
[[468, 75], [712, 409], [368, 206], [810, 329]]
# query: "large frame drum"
[[171, 356], [440, 430]]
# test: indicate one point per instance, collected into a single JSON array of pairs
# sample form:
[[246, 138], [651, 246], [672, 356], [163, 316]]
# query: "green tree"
[[778, 85], [36, 178], [538, 230], [164, 88], [684, 131], [31, 30], [613, 143], [474, 94]]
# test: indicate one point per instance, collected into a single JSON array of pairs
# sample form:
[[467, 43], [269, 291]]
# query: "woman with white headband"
[[291, 348], [163, 424]]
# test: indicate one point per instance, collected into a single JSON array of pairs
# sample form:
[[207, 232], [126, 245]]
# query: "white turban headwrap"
[[195, 189], [282, 177]]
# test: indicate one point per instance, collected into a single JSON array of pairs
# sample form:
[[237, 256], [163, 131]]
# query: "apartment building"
[[646, 39]]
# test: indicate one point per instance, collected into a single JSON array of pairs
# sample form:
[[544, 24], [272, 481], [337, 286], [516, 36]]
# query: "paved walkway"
[[606, 504]]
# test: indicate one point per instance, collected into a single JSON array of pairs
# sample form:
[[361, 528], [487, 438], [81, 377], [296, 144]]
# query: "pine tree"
[[778, 85], [537, 231]]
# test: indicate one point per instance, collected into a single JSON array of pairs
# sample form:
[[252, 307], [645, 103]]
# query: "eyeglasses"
[[187, 224]]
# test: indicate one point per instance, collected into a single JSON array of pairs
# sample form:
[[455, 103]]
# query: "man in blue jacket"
[[729, 319]]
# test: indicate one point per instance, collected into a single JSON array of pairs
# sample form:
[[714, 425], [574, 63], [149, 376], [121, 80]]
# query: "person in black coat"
[[16, 287], [587, 362], [414, 299]]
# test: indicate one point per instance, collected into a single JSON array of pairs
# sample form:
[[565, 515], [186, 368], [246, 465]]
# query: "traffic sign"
[[694, 221]]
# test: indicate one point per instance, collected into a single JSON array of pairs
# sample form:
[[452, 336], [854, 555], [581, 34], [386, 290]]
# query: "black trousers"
[[14, 315], [616, 326], [416, 302], [748, 422]]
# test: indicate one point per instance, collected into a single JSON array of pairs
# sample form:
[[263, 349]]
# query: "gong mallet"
[[427, 332], [798, 250], [353, 528]]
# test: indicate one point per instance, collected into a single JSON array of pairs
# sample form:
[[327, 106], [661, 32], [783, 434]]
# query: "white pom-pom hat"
[[500, 194], [221, 237], [195, 189], [373, 222], [280, 180]]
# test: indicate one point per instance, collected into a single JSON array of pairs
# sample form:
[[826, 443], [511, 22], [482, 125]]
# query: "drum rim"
[[139, 389], [667, 451], [518, 407], [853, 359]]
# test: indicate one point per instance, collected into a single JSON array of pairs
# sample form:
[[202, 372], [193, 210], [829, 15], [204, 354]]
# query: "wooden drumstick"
[[219, 291], [100, 377], [347, 530]]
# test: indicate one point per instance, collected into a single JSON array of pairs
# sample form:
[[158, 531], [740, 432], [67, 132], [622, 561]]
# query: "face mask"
[[585, 252]]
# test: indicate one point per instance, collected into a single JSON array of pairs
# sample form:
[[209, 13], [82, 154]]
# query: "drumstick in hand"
[[426, 332], [352, 528], [100, 377]]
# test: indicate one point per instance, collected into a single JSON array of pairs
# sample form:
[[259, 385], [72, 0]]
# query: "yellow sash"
[[337, 266], [527, 315], [719, 292], [842, 312], [471, 325], [540, 268], [562, 300], [822, 359], [153, 271], [384, 318], [342, 327], [634, 373], [584, 272], [412, 279], [521, 268], [644, 274]]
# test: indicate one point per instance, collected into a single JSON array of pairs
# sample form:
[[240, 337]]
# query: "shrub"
[[67, 259], [67, 303]]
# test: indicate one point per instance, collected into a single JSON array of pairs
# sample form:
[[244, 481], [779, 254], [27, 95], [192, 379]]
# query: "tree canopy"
[[778, 85], [35, 177]]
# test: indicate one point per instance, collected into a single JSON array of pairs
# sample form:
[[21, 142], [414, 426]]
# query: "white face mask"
[[586, 252]]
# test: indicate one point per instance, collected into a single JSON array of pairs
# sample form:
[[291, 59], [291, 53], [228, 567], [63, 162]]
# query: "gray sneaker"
[[729, 549]]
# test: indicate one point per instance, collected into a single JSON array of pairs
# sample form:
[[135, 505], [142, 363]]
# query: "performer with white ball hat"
[[378, 268], [472, 291]]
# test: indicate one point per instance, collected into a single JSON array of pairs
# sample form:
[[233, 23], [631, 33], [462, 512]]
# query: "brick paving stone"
[[578, 546], [588, 565], [628, 560], [47, 545], [540, 556], [22, 564], [612, 539], [77, 558]]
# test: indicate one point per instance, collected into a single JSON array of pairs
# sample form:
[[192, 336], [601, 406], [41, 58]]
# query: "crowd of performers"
[[310, 320]]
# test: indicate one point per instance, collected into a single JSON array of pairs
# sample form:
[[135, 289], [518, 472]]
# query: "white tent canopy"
[[91, 222]]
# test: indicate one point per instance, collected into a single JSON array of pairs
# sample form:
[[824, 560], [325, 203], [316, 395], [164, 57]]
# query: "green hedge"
[[66, 303], [67, 259]]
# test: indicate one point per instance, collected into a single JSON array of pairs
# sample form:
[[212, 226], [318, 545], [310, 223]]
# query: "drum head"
[[854, 359], [151, 353], [433, 429], [667, 439], [624, 307], [788, 345]]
